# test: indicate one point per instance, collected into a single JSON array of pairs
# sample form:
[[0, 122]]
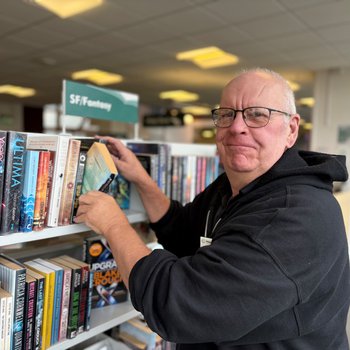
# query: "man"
[[272, 271]]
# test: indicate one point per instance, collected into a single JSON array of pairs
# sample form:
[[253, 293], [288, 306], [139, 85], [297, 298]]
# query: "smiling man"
[[274, 270]]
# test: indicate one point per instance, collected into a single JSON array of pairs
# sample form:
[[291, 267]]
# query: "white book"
[[59, 145], [5, 319], [2, 319]]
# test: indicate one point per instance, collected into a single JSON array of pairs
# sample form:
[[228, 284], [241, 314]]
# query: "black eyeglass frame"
[[244, 117]]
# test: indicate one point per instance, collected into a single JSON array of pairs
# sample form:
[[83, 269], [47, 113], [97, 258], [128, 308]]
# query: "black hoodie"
[[276, 275]]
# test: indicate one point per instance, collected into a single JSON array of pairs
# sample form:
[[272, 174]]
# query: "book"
[[120, 190], [66, 289], [3, 141], [58, 145], [39, 308], [6, 302], [66, 205], [100, 169], [58, 286], [13, 278], [108, 287], [84, 291], [49, 292], [13, 185], [73, 315], [29, 191], [41, 189], [50, 185], [29, 312]]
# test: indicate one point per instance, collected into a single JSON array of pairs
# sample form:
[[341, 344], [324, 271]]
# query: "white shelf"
[[102, 319], [51, 232]]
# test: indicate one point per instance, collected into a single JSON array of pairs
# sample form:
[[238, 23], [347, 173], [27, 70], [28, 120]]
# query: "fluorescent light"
[[68, 8], [17, 91], [306, 101], [208, 57], [179, 95], [97, 76], [197, 110], [293, 85]]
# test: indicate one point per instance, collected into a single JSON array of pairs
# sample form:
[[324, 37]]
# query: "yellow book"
[[49, 293]]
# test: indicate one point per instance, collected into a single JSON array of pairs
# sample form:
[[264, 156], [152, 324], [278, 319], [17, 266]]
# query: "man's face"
[[248, 151]]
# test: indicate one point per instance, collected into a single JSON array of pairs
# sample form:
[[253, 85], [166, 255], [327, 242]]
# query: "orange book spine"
[[41, 190]]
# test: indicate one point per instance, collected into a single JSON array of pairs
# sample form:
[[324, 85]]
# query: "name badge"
[[204, 241]]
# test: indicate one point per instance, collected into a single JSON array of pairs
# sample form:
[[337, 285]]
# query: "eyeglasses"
[[254, 117]]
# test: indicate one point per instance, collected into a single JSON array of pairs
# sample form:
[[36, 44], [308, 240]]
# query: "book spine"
[[74, 304], [79, 182], [19, 301], [37, 341], [41, 189], [3, 141], [29, 315], [58, 178], [89, 301], [57, 306], [84, 293], [69, 181], [9, 322], [67, 279], [29, 191], [15, 159], [50, 185], [2, 322]]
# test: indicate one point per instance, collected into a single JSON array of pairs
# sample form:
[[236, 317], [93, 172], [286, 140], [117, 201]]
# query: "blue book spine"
[[57, 306], [29, 190]]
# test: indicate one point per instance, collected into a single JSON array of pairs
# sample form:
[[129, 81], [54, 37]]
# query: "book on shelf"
[[29, 311], [66, 289], [29, 191], [3, 141], [41, 190], [6, 304], [39, 308], [58, 145], [13, 184], [132, 342], [108, 287], [84, 292], [120, 190], [100, 169], [49, 292], [66, 206], [73, 315], [13, 278], [58, 282]]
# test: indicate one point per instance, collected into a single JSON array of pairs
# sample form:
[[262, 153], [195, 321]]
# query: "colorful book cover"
[[41, 190], [29, 191], [120, 190], [29, 312], [66, 206], [49, 292], [13, 278], [100, 169], [39, 308], [108, 287], [59, 145], [50, 184], [67, 279], [57, 302], [11, 201], [84, 291], [3, 141]]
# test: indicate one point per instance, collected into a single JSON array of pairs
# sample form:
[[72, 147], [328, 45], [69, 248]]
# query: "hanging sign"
[[84, 100]]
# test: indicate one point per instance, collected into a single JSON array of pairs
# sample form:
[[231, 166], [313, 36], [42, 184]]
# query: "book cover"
[[108, 287], [69, 182], [57, 301], [13, 185], [29, 312], [13, 278], [41, 189], [29, 191], [84, 291], [100, 169], [73, 315], [49, 292], [3, 141], [59, 145], [120, 190], [39, 308], [6, 319], [66, 289]]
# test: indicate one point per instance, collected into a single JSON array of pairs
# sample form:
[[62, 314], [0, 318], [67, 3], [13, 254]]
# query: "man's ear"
[[294, 122]]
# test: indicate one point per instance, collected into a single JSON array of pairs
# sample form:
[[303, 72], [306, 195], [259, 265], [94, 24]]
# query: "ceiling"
[[139, 39]]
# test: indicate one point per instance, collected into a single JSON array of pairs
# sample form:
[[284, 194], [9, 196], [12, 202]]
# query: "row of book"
[[42, 177]]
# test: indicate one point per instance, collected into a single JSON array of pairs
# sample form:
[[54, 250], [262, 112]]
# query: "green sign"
[[86, 100]]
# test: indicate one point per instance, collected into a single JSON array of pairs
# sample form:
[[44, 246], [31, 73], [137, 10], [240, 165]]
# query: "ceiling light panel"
[[97, 76]]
